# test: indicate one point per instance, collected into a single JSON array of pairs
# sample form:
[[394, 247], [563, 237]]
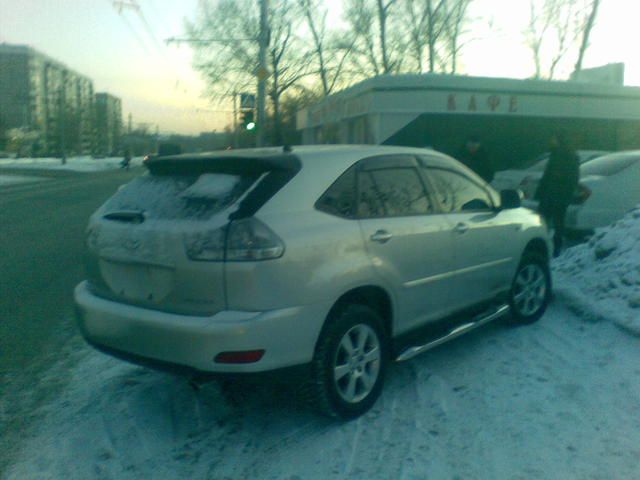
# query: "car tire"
[[345, 384], [531, 289]]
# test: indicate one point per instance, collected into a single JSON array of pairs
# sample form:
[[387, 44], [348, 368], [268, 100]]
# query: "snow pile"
[[602, 277], [76, 164]]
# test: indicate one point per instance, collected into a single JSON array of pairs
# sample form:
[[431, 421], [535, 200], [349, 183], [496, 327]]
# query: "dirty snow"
[[557, 399], [76, 164], [602, 277]]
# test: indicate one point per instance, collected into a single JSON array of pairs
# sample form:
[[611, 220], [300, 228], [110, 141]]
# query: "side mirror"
[[510, 199]]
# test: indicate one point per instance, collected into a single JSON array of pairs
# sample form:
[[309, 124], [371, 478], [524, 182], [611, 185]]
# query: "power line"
[[179, 40], [119, 5]]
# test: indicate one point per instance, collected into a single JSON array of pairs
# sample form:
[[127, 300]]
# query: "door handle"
[[461, 228], [381, 236]]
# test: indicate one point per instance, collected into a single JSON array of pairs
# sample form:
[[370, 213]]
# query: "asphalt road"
[[41, 249]]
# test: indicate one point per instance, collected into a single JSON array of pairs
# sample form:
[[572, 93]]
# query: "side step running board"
[[477, 321]]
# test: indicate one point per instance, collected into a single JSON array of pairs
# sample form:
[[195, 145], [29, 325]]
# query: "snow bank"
[[76, 164], [601, 278]]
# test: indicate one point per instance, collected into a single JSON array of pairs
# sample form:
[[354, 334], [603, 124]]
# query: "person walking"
[[558, 186], [474, 156], [126, 160]]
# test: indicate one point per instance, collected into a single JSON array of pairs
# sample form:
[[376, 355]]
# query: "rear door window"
[[186, 197], [340, 198], [392, 192]]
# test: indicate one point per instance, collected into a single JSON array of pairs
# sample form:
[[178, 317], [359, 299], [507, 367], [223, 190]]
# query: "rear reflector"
[[248, 356]]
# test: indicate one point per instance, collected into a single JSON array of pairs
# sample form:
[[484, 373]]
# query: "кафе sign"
[[482, 103]]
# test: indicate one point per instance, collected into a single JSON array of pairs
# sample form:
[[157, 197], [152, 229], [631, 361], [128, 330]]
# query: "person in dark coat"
[[474, 156], [124, 163], [558, 186]]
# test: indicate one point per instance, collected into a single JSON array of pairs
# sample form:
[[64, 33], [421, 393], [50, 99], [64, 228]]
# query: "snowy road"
[[42, 228], [556, 400]]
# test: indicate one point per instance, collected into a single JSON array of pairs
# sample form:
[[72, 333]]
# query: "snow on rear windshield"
[[189, 197]]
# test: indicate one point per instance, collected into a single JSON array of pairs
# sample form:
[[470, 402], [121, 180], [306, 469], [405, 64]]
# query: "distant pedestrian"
[[475, 156], [126, 161], [558, 186]]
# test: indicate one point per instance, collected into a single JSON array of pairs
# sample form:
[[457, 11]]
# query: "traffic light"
[[246, 119]]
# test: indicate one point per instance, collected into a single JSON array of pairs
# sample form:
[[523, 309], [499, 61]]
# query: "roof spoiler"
[[222, 163]]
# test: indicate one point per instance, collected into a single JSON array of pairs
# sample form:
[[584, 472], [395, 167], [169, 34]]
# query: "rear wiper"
[[128, 216]]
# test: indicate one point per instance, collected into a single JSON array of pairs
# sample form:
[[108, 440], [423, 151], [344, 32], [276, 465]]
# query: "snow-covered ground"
[[601, 278], [554, 400], [77, 164], [558, 399], [16, 179]]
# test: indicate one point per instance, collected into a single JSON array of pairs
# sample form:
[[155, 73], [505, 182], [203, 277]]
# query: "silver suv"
[[339, 258]]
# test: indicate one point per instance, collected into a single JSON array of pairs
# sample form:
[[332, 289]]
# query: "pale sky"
[[129, 58]]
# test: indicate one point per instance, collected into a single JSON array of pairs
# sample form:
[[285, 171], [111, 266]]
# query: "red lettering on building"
[[493, 101], [513, 104], [451, 102], [472, 104]]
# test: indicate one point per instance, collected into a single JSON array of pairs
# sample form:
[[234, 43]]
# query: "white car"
[[609, 187], [527, 179], [334, 259]]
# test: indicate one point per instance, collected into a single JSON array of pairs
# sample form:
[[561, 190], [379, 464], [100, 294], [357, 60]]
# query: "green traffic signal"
[[247, 120]]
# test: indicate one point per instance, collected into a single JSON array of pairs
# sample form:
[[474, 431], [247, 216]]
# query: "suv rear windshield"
[[608, 165], [187, 197]]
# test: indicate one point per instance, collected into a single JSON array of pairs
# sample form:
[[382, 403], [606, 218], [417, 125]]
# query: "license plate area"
[[137, 282]]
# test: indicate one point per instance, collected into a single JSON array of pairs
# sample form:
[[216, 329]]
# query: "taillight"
[[251, 240], [246, 240], [581, 195]]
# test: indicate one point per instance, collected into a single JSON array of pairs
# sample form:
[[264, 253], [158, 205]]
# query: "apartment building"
[[108, 121], [48, 102]]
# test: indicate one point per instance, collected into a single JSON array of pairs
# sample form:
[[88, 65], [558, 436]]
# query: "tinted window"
[[392, 192], [608, 165], [456, 193], [340, 198]]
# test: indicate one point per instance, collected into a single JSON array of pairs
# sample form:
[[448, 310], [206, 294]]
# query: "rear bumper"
[[151, 337]]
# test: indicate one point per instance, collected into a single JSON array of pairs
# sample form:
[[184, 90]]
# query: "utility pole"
[[235, 119], [63, 112], [262, 71]]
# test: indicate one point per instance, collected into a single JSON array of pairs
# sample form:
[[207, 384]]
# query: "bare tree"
[[554, 30], [566, 33], [225, 35], [426, 21], [329, 52], [376, 47], [540, 22], [383, 17], [588, 23], [456, 18], [288, 65]]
